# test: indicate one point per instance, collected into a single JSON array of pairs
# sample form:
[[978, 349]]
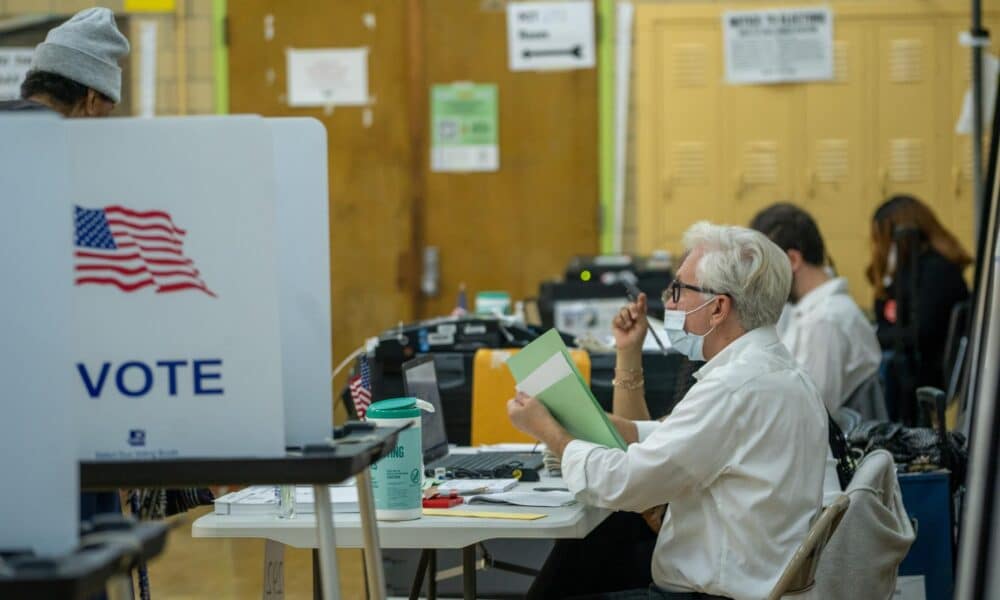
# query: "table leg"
[[119, 587], [469, 572], [432, 572], [418, 577], [329, 581], [374, 572]]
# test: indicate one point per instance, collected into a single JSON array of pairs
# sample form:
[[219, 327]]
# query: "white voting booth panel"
[[303, 250], [39, 505], [176, 326]]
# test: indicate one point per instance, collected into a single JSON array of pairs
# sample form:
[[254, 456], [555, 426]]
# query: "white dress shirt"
[[740, 461], [830, 336]]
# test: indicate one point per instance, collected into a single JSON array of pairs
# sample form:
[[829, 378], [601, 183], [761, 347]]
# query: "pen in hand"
[[632, 291]]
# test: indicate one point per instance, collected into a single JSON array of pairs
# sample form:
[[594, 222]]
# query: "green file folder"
[[545, 370]]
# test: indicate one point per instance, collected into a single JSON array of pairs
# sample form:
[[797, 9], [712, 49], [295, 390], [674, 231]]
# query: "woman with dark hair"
[[916, 270]]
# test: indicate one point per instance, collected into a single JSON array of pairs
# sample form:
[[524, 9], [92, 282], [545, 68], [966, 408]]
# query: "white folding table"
[[429, 532]]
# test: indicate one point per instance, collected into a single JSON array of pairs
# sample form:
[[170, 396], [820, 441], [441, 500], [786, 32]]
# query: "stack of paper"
[[465, 487], [526, 498], [262, 499]]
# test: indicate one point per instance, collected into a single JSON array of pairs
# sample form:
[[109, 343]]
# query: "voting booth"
[[40, 504], [303, 254], [170, 299], [179, 302], [175, 322]]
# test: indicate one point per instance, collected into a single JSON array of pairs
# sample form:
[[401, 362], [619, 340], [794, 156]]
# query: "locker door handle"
[[811, 183], [667, 188], [739, 178], [883, 183], [956, 178]]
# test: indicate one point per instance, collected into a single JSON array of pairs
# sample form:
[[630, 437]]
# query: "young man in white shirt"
[[740, 460], [823, 328]]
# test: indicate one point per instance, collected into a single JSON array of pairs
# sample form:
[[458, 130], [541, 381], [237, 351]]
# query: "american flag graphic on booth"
[[132, 250]]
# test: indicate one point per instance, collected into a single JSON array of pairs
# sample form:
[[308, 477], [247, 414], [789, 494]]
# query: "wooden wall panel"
[[506, 230], [369, 160], [510, 229]]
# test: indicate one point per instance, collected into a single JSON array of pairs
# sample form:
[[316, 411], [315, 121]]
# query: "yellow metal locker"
[[757, 148], [834, 182], [851, 256], [957, 188], [906, 107], [837, 122], [885, 125], [681, 182]]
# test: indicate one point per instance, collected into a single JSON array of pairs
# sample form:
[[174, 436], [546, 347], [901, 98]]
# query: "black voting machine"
[[453, 341], [668, 376]]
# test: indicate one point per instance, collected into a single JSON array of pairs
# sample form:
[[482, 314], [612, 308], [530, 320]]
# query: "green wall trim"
[[220, 57], [606, 120]]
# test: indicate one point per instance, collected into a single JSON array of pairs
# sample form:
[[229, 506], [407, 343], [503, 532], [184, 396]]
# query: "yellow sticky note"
[[150, 5], [448, 512]]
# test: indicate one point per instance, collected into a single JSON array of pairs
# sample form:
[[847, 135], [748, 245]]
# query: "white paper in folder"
[[549, 373], [261, 499]]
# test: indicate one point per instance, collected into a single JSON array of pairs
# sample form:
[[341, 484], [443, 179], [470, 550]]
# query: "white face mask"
[[689, 344]]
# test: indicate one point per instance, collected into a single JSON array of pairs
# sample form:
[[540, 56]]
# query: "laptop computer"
[[420, 381]]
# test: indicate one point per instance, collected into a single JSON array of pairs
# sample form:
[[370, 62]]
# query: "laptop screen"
[[420, 381]]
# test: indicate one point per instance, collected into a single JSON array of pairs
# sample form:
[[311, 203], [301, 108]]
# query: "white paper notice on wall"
[[548, 36], [778, 45], [327, 76], [14, 65]]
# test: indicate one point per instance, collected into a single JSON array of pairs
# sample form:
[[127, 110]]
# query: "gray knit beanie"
[[86, 49]]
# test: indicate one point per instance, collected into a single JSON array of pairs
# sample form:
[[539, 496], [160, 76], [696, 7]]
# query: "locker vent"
[[841, 71], [760, 160], [689, 162], [831, 160], [906, 61], [906, 160], [690, 65]]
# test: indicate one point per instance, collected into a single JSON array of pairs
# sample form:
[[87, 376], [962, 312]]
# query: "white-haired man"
[[740, 460]]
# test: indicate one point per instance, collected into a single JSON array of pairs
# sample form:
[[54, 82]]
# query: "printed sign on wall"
[[465, 131], [327, 77], [14, 65], [778, 45], [546, 36]]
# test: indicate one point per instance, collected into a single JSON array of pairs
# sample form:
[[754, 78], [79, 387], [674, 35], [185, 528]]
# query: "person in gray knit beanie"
[[75, 70]]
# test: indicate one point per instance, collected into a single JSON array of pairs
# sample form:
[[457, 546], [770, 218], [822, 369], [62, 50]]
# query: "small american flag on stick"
[[361, 387]]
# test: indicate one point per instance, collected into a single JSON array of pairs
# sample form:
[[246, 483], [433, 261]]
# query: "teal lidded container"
[[397, 479]]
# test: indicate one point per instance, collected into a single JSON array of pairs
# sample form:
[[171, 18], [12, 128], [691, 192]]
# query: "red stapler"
[[439, 501]]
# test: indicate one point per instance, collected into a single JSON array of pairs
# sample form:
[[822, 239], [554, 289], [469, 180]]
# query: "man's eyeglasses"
[[673, 291]]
